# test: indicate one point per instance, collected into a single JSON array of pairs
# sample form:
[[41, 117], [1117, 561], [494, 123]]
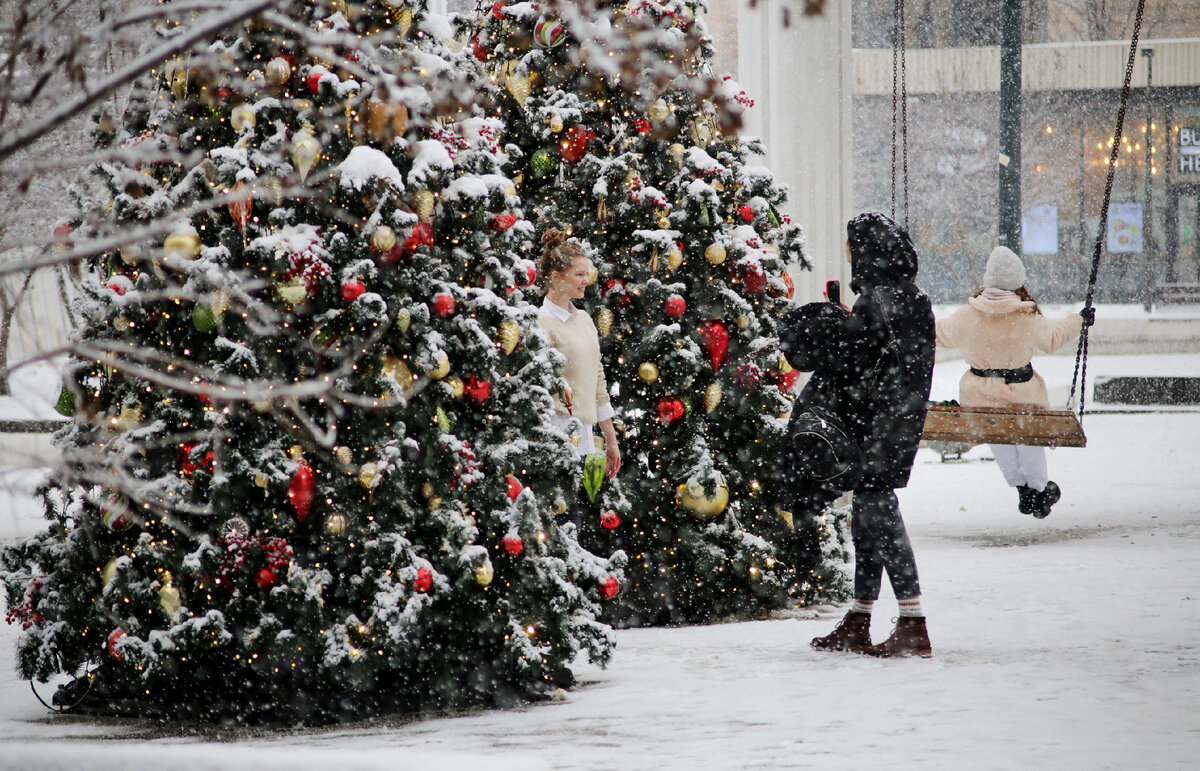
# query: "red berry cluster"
[[237, 548], [747, 375], [25, 611]]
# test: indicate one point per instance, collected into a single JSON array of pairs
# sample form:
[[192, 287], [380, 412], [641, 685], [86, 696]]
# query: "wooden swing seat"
[[1031, 426]]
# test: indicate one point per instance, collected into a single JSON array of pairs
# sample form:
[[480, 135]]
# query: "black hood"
[[881, 252]]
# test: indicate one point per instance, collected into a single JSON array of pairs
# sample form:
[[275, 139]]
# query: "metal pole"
[[1010, 125], [1151, 246]]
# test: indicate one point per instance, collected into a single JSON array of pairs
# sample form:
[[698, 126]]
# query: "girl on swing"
[[998, 331]]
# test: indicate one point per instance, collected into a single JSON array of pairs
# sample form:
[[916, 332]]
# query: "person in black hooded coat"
[[891, 330], [814, 338]]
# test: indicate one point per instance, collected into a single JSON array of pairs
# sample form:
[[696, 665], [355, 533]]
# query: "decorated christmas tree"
[[692, 250], [309, 471]]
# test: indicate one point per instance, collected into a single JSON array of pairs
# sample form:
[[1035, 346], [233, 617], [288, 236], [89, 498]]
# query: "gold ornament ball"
[[593, 274], [674, 257], [383, 238], [604, 321], [395, 368], [367, 474], [455, 384], [703, 507], [186, 245], [556, 124], [423, 204], [292, 291], [648, 371], [510, 335], [743, 322], [715, 253], [242, 116], [712, 397], [168, 598], [344, 455], [336, 523], [400, 120], [484, 573], [261, 479], [441, 369], [278, 71], [427, 490], [664, 222], [109, 571], [305, 151], [658, 110]]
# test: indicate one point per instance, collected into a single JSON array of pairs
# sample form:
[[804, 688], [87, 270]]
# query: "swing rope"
[[1080, 373], [899, 104]]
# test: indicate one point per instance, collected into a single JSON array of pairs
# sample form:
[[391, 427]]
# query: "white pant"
[[1022, 465]]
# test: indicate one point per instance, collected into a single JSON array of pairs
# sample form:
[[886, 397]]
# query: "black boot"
[[1027, 503], [1045, 499]]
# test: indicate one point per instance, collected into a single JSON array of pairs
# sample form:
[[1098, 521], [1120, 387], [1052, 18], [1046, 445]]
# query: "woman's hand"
[[613, 453]]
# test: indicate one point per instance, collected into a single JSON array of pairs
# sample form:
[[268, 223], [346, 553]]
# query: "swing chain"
[[1080, 373]]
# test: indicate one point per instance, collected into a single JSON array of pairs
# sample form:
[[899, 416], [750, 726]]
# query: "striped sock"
[[862, 606], [911, 607]]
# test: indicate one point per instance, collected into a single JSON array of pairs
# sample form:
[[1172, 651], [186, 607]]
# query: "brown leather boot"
[[909, 638], [853, 633]]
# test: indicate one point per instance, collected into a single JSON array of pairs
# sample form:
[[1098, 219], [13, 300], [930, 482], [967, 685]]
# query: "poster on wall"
[[1039, 230], [1124, 227]]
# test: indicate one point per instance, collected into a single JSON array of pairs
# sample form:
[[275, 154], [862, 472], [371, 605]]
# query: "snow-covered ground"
[[1066, 643]]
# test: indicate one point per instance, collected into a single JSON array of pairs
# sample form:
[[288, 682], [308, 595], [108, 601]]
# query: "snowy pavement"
[[1066, 643]]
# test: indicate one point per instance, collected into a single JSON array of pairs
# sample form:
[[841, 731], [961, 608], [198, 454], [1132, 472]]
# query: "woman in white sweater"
[[565, 267]]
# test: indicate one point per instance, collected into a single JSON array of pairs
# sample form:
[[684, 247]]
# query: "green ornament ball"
[[203, 318], [66, 402], [542, 163]]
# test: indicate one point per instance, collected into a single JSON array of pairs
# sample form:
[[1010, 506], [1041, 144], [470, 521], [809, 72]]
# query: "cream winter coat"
[[998, 330]]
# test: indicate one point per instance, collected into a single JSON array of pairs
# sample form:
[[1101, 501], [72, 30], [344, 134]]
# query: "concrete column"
[[801, 80]]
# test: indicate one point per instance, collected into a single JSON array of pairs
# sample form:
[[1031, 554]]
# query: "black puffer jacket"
[[892, 370]]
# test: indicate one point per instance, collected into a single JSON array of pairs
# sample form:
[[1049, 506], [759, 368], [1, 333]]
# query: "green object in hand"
[[594, 466]]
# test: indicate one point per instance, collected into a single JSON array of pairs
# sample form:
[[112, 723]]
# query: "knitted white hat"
[[1004, 269]]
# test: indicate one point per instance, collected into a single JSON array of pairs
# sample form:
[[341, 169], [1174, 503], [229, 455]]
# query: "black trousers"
[[881, 543]]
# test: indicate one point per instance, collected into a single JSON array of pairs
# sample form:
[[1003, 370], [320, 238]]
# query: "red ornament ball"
[[617, 285], [787, 379], [351, 290], [745, 212], [502, 222], [313, 81], [302, 489], [754, 278], [641, 125], [670, 409], [111, 645], [498, 10], [714, 339], [265, 578], [512, 544], [609, 520], [530, 275], [480, 53], [443, 304], [675, 306], [609, 588], [424, 580], [514, 487], [477, 389]]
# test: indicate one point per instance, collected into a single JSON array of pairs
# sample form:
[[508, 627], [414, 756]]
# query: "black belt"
[[1018, 375]]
